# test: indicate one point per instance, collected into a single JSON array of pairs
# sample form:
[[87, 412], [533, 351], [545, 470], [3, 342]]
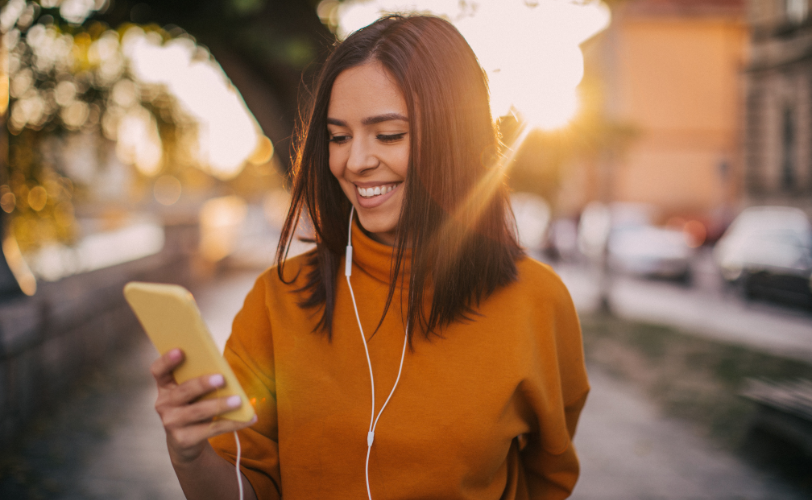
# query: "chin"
[[379, 227]]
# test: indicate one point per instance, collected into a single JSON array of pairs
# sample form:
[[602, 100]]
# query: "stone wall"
[[69, 326]]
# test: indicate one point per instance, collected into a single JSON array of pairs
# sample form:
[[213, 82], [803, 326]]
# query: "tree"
[[69, 75]]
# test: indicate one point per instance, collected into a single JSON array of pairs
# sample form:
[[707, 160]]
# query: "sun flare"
[[529, 49]]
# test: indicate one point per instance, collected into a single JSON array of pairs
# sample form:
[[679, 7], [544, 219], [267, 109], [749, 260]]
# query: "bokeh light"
[[167, 190], [220, 223], [227, 132], [97, 108]]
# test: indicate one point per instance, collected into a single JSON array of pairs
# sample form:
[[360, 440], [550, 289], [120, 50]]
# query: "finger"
[[162, 367], [195, 388], [203, 411], [192, 435]]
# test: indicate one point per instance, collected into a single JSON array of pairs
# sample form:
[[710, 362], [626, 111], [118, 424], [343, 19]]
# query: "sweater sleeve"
[[557, 396], [249, 351]]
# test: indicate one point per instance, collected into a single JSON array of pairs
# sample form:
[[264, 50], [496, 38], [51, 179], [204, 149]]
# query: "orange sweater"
[[486, 412]]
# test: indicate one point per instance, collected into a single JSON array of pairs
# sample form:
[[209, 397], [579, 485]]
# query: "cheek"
[[336, 166], [400, 162]]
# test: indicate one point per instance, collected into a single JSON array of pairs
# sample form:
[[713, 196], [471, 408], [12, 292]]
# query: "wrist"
[[191, 458]]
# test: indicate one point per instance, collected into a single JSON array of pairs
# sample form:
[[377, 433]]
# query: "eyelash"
[[392, 137], [340, 139]]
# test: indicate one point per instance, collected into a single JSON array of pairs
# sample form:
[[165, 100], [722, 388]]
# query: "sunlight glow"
[[19, 268], [138, 141], [227, 132], [137, 239], [221, 220], [530, 50]]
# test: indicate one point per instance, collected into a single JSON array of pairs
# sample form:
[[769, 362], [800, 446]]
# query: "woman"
[[397, 158]]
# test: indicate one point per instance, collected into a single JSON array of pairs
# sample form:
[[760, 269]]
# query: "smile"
[[371, 192]]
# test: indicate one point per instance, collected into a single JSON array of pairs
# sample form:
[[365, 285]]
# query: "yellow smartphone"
[[172, 320]]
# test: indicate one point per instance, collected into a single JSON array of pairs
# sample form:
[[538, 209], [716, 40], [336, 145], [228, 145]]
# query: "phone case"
[[172, 320]]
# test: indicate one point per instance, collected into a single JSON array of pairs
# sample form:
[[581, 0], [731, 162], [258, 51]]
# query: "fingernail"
[[233, 401], [253, 420], [174, 354], [216, 380]]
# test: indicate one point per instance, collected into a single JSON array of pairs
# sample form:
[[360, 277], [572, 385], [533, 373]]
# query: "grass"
[[689, 377]]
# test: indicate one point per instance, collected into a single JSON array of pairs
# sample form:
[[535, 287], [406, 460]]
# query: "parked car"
[[532, 219], [768, 252], [651, 251], [634, 245]]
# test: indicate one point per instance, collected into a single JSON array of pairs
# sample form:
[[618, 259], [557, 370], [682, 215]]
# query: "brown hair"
[[455, 215]]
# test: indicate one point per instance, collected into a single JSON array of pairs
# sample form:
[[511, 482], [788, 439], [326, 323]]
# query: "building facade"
[[778, 106], [670, 70]]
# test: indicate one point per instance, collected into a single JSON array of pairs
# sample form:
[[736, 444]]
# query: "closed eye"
[[339, 139], [391, 137]]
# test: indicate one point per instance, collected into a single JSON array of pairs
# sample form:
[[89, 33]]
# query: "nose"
[[362, 156]]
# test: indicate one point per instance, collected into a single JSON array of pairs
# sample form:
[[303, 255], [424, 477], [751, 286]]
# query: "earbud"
[[348, 254]]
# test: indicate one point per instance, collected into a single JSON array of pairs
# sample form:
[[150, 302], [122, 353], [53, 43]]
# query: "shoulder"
[[549, 309], [276, 289], [540, 281], [539, 300], [293, 272], [273, 298], [538, 296]]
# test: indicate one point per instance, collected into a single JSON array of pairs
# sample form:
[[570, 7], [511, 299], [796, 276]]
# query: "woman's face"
[[368, 126]]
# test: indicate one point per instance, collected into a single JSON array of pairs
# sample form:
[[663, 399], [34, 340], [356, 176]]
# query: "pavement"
[[106, 442], [629, 450], [705, 308]]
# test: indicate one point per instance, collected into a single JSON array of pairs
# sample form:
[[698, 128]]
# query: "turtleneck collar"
[[376, 258]]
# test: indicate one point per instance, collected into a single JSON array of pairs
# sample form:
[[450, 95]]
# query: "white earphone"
[[373, 420]]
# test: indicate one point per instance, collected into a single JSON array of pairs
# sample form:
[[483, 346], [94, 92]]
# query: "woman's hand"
[[187, 419]]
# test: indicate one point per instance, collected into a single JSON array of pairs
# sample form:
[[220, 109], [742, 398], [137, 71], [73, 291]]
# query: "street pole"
[[604, 273]]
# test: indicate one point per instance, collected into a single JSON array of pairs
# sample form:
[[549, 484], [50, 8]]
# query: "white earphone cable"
[[373, 420], [239, 475], [369, 363]]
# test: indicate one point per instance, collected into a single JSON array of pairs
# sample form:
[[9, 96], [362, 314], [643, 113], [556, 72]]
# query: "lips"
[[371, 196]]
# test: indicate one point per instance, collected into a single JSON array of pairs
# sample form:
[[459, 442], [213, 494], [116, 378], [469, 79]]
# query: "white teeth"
[[376, 191]]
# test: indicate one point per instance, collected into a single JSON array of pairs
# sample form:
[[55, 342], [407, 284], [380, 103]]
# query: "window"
[[796, 10], [788, 150]]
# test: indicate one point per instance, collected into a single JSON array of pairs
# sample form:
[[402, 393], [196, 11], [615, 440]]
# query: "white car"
[[633, 244], [646, 250]]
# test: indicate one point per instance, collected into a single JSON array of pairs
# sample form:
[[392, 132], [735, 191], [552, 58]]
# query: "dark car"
[[767, 251]]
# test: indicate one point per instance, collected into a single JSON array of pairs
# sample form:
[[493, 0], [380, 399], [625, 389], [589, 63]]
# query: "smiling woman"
[[369, 146], [448, 204], [477, 346]]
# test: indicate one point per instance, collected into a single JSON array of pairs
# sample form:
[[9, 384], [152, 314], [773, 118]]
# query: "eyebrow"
[[370, 120]]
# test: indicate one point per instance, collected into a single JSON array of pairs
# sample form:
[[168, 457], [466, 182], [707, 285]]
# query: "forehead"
[[365, 91]]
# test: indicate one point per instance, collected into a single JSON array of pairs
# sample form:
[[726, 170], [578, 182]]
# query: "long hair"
[[455, 216]]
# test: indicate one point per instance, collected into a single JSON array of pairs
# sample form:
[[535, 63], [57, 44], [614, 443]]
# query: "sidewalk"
[[630, 451], [108, 443], [713, 314]]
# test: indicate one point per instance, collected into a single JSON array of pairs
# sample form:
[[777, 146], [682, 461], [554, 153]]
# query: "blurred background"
[[660, 160]]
